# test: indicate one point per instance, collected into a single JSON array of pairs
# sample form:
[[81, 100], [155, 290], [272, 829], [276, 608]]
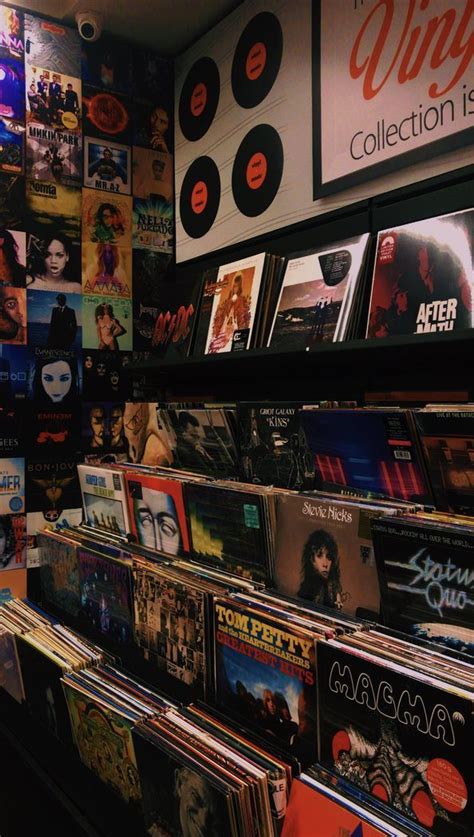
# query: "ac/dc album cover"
[[317, 294], [107, 64], [106, 115], [106, 270], [107, 323], [423, 277], [44, 695], [164, 312], [54, 378], [152, 174], [11, 145], [59, 575], [447, 439], [152, 126], [324, 553], [12, 201], [153, 224], [13, 256], [54, 320], [53, 99], [53, 207], [13, 426], [157, 513], [12, 74], [10, 671], [273, 446], [53, 154], [12, 541], [50, 44], [106, 604], [103, 429], [54, 433], [104, 499], [170, 626], [106, 219], [401, 737], [104, 743], [228, 529], [13, 373], [107, 166], [13, 320], [12, 32], [12, 485], [369, 450], [426, 580], [52, 486], [202, 440], [152, 78], [53, 263], [105, 375], [266, 676]]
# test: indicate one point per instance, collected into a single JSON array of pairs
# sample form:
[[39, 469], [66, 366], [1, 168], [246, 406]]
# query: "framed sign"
[[393, 85]]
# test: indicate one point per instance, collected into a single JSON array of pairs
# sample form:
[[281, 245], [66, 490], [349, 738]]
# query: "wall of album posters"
[[86, 221]]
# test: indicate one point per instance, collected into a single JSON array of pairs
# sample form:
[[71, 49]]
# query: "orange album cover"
[[13, 582]]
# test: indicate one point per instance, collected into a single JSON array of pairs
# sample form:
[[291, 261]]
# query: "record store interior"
[[237, 418]]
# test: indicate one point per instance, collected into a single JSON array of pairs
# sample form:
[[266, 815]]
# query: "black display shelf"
[[348, 369]]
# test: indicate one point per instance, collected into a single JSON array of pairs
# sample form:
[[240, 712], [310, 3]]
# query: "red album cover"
[[157, 513]]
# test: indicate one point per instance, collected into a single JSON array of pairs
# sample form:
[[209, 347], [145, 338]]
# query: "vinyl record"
[[257, 59], [199, 99], [257, 171], [200, 197]]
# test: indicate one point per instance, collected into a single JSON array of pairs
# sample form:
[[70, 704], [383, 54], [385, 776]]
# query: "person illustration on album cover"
[[321, 573], [118, 440], [108, 272], [109, 328], [108, 224], [55, 380], [232, 314], [12, 315], [12, 272], [106, 168], [63, 325], [157, 522], [97, 427], [50, 265]]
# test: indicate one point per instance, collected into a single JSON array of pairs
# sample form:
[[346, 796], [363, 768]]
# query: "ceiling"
[[168, 26]]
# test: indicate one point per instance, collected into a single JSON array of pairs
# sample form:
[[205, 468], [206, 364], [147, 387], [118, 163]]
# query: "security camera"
[[89, 25]]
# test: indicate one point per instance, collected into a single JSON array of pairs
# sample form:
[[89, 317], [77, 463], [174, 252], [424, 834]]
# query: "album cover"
[[13, 428], [10, 671], [53, 208], [106, 219], [59, 575], [152, 78], [53, 154], [104, 498], [13, 373], [447, 440], [401, 737], [12, 201], [426, 580], [53, 263], [157, 513], [107, 323], [44, 696], [13, 584], [165, 311], [106, 603], [106, 270], [54, 320], [12, 74], [13, 258], [106, 115], [152, 125], [170, 627], [227, 529], [13, 320], [52, 98], [266, 676], [201, 440], [36, 522], [423, 277], [12, 32], [153, 224], [324, 554], [54, 380], [107, 64], [152, 174], [107, 166], [11, 145], [228, 307], [105, 375], [50, 44], [104, 743], [148, 446], [54, 433], [12, 485], [370, 450], [273, 447], [317, 294], [52, 486], [12, 541], [103, 429]]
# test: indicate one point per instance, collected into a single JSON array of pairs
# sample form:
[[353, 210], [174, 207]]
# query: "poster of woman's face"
[[53, 377]]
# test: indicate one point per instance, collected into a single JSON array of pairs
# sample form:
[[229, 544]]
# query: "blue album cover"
[[54, 320], [107, 166], [12, 485], [12, 87], [13, 372], [54, 377], [11, 145]]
